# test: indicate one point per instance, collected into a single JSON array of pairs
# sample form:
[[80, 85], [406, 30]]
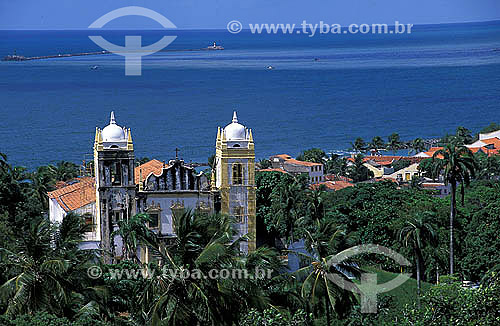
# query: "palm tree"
[[376, 144], [203, 244], [416, 233], [359, 145], [463, 136], [318, 288], [287, 197], [457, 166], [394, 142], [65, 171], [43, 181], [48, 267], [418, 145], [316, 204], [135, 232]]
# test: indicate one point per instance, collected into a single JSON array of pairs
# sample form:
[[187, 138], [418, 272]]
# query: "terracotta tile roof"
[[433, 150], [154, 166], [477, 149], [332, 185], [380, 160], [283, 156], [289, 159], [491, 152], [492, 141], [333, 177], [272, 170], [296, 162], [75, 195]]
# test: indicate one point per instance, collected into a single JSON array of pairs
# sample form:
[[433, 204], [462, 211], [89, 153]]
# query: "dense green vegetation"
[[45, 279]]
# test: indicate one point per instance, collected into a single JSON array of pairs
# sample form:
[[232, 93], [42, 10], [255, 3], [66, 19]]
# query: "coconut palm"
[[416, 233], [457, 166], [47, 269], [417, 145], [318, 288], [204, 244], [315, 204], [287, 197], [135, 232], [376, 144], [394, 143], [65, 171], [359, 145]]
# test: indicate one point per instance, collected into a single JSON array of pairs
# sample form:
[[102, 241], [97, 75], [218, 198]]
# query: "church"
[[119, 189]]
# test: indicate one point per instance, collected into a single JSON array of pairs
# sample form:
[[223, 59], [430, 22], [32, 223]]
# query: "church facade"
[[161, 189]]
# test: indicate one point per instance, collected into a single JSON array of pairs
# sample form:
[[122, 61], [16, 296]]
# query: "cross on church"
[[177, 153]]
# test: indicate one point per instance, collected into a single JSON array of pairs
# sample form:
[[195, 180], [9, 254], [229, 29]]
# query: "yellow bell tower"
[[235, 178]]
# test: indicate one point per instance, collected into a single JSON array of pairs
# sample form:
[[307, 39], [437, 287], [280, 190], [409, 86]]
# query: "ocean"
[[324, 91]]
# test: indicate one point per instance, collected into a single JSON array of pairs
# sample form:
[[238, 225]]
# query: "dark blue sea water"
[[420, 85]]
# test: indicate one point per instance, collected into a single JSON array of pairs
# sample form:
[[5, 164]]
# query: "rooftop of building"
[[272, 170], [76, 194], [145, 169], [332, 185]]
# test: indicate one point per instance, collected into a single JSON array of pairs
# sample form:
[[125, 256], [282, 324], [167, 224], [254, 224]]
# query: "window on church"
[[237, 173], [154, 220], [116, 174], [239, 214], [116, 216]]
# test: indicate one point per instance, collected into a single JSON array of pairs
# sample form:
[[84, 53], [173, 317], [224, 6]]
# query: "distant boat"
[[269, 67], [94, 67], [214, 46], [316, 59]]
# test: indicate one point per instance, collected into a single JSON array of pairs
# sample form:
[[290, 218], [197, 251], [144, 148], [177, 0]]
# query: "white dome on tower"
[[113, 132], [234, 130]]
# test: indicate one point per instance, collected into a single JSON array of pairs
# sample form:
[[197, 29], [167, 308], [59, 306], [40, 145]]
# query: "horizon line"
[[224, 29]]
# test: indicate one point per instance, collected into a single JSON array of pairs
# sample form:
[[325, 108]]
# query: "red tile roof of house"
[[75, 195], [433, 150], [332, 185], [477, 149], [283, 156], [289, 159], [272, 170], [333, 177], [492, 141], [380, 159], [303, 163], [145, 169]]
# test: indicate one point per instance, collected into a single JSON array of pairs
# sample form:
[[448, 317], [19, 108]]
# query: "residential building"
[[285, 162]]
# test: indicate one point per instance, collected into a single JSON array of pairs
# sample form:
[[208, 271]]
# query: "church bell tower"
[[115, 187], [234, 177]]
